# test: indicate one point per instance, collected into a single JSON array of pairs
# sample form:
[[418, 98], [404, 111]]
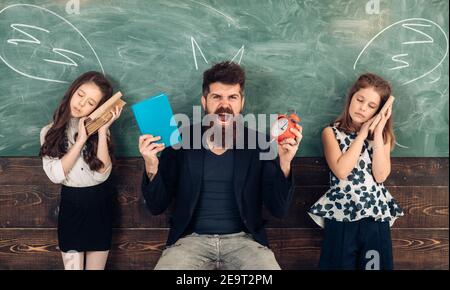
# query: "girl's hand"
[[364, 130], [82, 135], [115, 115], [384, 117]]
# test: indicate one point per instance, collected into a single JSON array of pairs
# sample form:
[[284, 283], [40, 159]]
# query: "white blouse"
[[80, 175]]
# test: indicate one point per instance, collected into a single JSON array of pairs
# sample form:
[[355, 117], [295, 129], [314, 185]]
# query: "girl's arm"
[[381, 163], [341, 164], [103, 152], [69, 159], [102, 149], [52, 166]]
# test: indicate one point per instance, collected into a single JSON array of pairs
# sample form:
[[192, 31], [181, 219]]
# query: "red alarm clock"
[[280, 130]]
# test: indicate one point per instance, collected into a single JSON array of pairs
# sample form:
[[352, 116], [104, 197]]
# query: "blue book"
[[153, 116]]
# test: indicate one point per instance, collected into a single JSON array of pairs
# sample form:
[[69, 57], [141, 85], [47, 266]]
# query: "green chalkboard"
[[300, 54]]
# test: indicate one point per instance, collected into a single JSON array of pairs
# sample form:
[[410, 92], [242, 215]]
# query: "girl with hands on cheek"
[[358, 206]]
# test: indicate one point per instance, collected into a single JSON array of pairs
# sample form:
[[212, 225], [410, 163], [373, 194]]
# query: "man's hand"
[[148, 150], [288, 148]]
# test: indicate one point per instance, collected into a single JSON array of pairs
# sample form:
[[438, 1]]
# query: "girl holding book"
[[82, 164]]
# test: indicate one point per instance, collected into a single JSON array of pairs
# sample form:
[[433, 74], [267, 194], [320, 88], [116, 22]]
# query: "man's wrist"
[[151, 171], [285, 167], [150, 175]]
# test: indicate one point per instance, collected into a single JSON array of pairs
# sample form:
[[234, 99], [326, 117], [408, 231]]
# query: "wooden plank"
[[28, 170], [424, 207], [29, 206], [420, 249], [37, 206], [308, 171], [417, 249], [416, 171]]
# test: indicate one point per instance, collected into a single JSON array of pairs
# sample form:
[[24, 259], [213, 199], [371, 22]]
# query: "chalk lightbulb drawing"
[[32, 49], [423, 33]]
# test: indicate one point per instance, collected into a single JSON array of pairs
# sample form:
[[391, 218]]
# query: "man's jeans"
[[222, 252]]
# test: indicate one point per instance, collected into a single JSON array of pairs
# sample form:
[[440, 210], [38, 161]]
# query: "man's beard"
[[227, 131]]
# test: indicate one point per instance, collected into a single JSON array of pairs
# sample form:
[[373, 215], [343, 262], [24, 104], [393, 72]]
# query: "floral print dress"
[[359, 196]]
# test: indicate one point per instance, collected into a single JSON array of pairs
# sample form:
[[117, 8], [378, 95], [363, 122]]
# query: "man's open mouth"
[[224, 118]]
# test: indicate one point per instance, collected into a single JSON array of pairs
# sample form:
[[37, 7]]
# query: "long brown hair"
[[56, 141], [383, 88]]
